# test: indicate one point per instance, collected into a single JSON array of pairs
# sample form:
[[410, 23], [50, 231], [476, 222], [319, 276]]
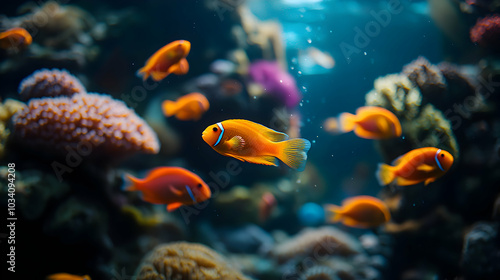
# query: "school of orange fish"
[[254, 143]]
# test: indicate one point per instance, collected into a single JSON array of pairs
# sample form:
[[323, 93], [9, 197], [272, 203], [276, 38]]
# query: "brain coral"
[[182, 260], [61, 122], [50, 83], [321, 241]]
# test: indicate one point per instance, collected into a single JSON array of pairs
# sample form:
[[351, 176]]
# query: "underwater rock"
[[50, 83], [320, 241], [311, 214], [7, 109], [91, 123], [34, 190], [481, 251], [319, 273], [486, 32], [426, 76], [248, 239], [183, 260], [396, 93]]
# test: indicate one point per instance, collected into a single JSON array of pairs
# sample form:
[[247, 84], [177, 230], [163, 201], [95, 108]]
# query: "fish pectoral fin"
[[425, 168], [430, 180], [236, 143], [382, 125], [158, 76], [180, 68], [175, 190], [351, 222], [173, 206]]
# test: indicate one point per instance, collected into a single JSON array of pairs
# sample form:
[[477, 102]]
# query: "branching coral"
[[50, 83], [108, 125], [184, 260], [321, 241]]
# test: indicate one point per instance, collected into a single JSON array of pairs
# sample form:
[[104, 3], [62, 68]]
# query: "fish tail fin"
[[347, 121], [332, 213], [169, 108], [294, 153], [130, 183], [385, 174], [142, 73]]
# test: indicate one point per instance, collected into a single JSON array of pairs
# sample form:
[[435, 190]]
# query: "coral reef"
[[50, 83], [182, 260], [96, 123], [321, 241], [480, 257], [426, 76], [486, 32], [7, 109], [397, 94]]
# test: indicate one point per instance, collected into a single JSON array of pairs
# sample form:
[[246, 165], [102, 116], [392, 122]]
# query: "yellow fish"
[[360, 211], [169, 59], [67, 276], [255, 143]]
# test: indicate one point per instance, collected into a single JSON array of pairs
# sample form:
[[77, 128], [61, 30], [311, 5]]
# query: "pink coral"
[[61, 122], [486, 32], [50, 83]]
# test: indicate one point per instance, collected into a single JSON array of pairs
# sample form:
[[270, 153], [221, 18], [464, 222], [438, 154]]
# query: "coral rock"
[[50, 83], [426, 76], [184, 260], [319, 273], [321, 241], [108, 125], [486, 32]]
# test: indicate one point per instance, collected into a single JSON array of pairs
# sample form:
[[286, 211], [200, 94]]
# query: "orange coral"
[[50, 83], [109, 125], [182, 260], [317, 243]]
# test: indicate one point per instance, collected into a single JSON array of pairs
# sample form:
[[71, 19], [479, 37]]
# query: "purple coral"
[[275, 81], [50, 83]]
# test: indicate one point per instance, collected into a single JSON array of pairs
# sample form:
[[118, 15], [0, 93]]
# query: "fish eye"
[[442, 155], [199, 185], [215, 129]]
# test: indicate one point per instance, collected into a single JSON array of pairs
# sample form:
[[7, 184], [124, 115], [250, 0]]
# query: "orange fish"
[[169, 59], [174, 186], [67, 276], [370, 122], [252, 142], [188, 107], [359, 211], [419, 165], [16, 37]]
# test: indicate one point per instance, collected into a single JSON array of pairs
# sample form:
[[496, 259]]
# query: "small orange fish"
[[16, 37], [359, 211], [188, 107], [174, 186], [419, 165], [169, 59], [67, 276], [370, 122], [252, 142], [266, 206]]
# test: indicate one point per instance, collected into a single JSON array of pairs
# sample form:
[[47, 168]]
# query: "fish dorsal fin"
[[173, 206], [425, 168], [270, 134], [236, 143], [157, 172], [397, 161]]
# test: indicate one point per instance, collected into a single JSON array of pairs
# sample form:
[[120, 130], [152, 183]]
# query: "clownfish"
[[174, 186], [419, 165], [255, 143], [67, 276], [188, 107], [360, 211], [370, 122], [16, 37], [169, 59]]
